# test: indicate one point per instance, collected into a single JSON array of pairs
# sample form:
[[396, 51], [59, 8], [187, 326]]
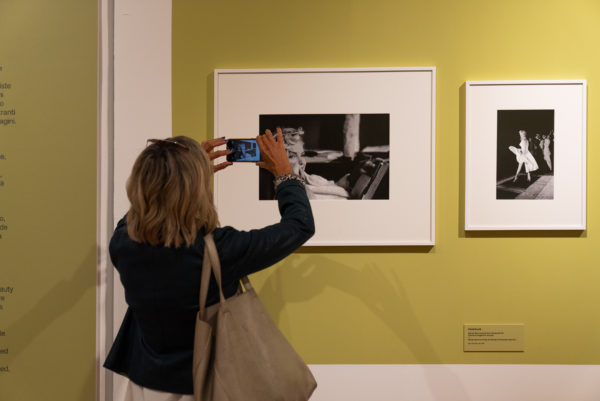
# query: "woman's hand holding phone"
[[273, 153], [208, 147]]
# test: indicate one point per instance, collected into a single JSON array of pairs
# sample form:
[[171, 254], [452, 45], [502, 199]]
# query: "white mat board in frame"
[[404, 215], [525, 165]]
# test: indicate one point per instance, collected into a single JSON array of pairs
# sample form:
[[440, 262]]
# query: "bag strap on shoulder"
[[211, 262]]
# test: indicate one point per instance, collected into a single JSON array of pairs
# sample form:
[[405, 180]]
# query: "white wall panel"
[[141, 106]]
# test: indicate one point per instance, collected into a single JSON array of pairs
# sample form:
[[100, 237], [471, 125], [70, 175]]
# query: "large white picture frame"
[[403, 213], [525, 155]]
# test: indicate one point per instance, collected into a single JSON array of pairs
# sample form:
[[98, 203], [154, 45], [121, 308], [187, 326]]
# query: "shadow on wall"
[[302, 278], [51, 306]]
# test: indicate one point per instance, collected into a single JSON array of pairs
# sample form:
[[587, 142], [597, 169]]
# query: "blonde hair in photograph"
[[169, 191]]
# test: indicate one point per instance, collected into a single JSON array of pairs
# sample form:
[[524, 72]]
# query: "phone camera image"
[[243, 150]]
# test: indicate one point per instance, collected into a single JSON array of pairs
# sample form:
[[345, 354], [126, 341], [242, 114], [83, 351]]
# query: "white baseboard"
[[457, 382]]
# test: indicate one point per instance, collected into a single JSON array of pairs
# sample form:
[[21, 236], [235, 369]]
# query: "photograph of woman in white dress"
[[524, 158]]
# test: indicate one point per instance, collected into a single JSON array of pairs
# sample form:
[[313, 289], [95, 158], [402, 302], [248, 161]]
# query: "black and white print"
[[525, 154], [340, 156]]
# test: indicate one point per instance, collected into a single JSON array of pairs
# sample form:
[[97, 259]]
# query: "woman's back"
[[155, 342]]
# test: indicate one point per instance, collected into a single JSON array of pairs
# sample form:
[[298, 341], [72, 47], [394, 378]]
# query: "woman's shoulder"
[[227, 234], [120, 232]]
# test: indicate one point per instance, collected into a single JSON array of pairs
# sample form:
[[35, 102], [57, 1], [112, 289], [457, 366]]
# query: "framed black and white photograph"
[[362, 139], [525, 146], [525, 155], [340, 156]]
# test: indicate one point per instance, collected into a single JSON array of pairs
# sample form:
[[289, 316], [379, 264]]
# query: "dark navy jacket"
[[155, 342]]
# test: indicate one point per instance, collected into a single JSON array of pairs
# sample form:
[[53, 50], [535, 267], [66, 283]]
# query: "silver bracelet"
[[286, 177]]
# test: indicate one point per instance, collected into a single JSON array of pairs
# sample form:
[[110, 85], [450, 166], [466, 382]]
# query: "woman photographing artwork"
[[524, 157], [158, 250]]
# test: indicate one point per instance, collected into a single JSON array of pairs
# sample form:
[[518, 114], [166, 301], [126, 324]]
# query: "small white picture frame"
[[525, 166], [404, 215]]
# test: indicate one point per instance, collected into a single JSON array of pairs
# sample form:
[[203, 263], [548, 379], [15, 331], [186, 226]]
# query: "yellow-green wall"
[[407, 305], [48, 51]]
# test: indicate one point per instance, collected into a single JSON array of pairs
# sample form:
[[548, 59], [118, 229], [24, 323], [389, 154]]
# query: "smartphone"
[[243, 150]]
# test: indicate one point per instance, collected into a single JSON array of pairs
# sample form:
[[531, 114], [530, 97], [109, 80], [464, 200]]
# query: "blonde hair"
[[169, 191]]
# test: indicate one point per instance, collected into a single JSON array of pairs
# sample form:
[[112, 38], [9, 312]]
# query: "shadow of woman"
[[301, 278], [50, 306]]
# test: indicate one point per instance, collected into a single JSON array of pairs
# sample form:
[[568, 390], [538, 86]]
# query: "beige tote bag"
[[239, 353]]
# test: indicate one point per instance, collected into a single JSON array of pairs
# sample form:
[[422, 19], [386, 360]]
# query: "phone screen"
[[243, 150]]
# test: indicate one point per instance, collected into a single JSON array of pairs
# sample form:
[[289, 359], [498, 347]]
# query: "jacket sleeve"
[[116, 239], [246, 252]]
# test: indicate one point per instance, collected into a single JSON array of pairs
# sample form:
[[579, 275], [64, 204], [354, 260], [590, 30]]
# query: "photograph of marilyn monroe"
[[525, 153], [339, 156], [524, 156]]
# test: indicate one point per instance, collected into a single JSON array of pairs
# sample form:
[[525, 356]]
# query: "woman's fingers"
[[260, 140], [221, 166], [209, 145], [273, 153], [268, 140], [267, 137], [218, 153]]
